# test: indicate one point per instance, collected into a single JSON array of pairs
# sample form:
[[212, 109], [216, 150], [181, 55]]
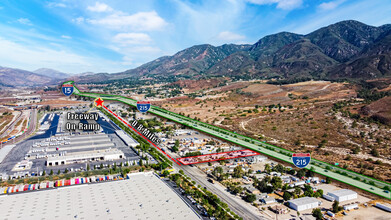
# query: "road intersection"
[[346, 176]]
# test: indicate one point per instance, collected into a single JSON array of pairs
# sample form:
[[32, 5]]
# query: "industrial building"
[[96, 155], [350, 207], [126, 138], [384, 207], [268, 200], [343, 195], [329, 198], [143, 196], [303, 203]]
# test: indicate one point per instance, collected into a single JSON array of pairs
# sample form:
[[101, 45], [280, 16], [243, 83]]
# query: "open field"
[[58, 103], [302, 121], [345, 176]]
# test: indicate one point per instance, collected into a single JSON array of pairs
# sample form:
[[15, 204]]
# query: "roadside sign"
[[301, 160], [67, 89], [143, 106]]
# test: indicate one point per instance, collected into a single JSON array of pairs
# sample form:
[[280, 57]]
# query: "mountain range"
[[344, 50], [12, 77], [54, 74]]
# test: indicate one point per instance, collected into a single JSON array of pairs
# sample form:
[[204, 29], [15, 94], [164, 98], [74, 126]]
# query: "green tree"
[[51, 172], [264, 187], [238, 190], [279, 168], [250, 198], [301, 173], [238, 172], [374, 152], [336, 208], [88, 167], [268, 168], [175, 148], [317, 213], [166, 173], [297, 191], [287, 196], [43, 173], [101, 166], [59, 172], [218, 171], [276, 182]]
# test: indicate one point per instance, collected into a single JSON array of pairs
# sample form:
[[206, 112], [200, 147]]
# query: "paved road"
[[30, 130], [11, 126], [175, 188], [200, 178], [337, 173]]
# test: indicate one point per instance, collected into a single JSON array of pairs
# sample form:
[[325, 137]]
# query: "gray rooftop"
[[5, 150], [126, 138], [303, 201], [143, 196], [342, 192]]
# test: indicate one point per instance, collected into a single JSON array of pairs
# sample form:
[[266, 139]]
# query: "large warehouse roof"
[[126, 138], [303, 201], [343, 192], [143, 196]]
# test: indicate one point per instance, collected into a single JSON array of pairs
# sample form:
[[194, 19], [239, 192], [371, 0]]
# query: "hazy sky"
[[76, 36]]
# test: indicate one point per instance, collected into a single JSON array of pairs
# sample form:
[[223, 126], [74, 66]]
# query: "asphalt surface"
[[20, 150], [337, 173], [30, 130], [200, 178], [11, 126], [52, 129], [183, 196]]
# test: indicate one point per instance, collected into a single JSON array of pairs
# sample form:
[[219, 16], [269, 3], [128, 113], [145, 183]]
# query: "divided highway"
[[346, 176]]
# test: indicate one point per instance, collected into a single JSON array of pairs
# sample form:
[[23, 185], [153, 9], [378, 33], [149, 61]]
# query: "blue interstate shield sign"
[[143, 106], [67, 89], [301, 160]]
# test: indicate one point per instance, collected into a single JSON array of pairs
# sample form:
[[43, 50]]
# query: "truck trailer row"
[[58, 183]]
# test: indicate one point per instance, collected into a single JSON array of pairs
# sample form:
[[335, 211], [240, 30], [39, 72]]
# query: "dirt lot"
[[58, 103], [363, 213], [301, 119]]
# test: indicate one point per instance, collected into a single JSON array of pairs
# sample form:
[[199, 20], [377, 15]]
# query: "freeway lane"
[[345, 176], [201, 179], [237, 207]]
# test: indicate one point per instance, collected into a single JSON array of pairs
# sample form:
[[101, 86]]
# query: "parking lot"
[[188, 200], [50, 142]]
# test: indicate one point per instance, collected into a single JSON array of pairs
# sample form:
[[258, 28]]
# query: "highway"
[[346, 176], [30, 130], [11, 126], [238, 207]]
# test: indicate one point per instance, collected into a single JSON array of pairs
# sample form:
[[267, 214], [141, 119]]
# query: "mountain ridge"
[[316, 55], [343, 50], [54, 74], [17, 77]]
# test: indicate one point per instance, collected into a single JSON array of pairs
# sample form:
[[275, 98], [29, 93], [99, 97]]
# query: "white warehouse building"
[[84, 156], [343, 195], [303, 203]]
